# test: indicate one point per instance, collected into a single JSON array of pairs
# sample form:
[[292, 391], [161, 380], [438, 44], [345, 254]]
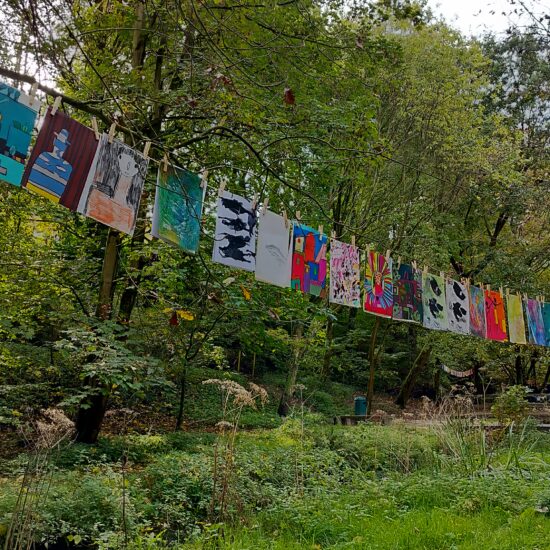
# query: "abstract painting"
[[545, 310], [378, 285], [435, 306], [516, 322], [112, 191], [18, 113], [274, 253], [477, 311], [458, 307], [345, 274], [235, 238], [407, 293], [178, 208], [309, 260], [535, 322], [495, 316], [60, 160]]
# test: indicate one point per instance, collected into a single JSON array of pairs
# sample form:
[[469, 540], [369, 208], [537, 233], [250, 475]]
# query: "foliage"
[[511, 406]]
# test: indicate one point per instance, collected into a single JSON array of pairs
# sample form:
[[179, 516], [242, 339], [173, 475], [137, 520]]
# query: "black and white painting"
[[274, 254], [434, 303], [235, 238], [458, 307]]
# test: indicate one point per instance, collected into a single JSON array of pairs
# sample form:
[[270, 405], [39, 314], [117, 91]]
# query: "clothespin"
[[264, 209], [112, 131], [398, 261], [95, 128], [489, 288], [221, 188], [320, 229], [285, 218], [413, 263], [32, 95], [333, 235], [353, 240], [388, 252], [298, 215], [56, 104], [525, 297], [204, 177], [165, 163], [367, 251], [255, 201], [501, 292], [507, 292], [425, 270], [442, 275], [146, 149]]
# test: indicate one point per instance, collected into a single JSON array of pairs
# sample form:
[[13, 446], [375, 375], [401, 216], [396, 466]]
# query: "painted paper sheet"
[[545, 310], [235, 238], [345, 274], [535, 322], [435, 306], [17, 119], [112, 192], [458, 307], [516, 322], [477, 311], [178, 208], [495, 316], [274, 253], [378, 285], [309, 260], [407, 293]]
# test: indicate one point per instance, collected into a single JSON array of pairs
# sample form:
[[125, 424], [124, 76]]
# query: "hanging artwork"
[[435, 307], [345, 274], [477, 311], [18, 113], [545, 311], [309, 260], [178, 208], [274, 253], [407, 293], [112, 191], [516, 322], [235, 238], [458, 307], [378, 285], [495, 316], [535, 322]]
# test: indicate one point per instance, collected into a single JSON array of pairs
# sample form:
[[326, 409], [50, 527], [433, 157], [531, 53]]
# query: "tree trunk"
[[520, 379], [329, 351], [183, 385], [372, 348], [546, 379], [418, 366], [478, 383], [288, 392]]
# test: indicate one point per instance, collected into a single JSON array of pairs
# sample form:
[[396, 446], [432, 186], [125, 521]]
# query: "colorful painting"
[[18, 113], [178, 208], [345, 274], [458, 307], [378, 285], [516, 322], [477, 311], [535, 322], [435, 306], [545, 310], [113, 188], [495, 316], [235, 237], [60, 160], [407, 293], [309, 260], [274, 253]]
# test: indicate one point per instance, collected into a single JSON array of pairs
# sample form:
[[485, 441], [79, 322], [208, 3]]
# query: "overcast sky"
[[478, 16]]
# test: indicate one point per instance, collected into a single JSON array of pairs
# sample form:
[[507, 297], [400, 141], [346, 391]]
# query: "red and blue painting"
[[309, 261]]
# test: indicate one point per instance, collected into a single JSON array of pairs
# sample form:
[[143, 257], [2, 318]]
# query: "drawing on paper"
[[345, 274], [433, 297], [458, 307], [378, 285], [495, 316], [407, 293], [516, 322], [309, 260], [535, 322], [477, 311]]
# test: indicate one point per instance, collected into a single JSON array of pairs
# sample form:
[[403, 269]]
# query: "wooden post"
[[370, 390], [253, 364], [239, 361]]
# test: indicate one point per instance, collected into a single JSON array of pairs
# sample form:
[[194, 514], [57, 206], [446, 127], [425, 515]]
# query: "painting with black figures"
[[435, 307], [458, 307], [235, 240]]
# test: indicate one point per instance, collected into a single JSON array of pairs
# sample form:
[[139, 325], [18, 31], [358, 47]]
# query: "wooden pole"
[[370, 391]]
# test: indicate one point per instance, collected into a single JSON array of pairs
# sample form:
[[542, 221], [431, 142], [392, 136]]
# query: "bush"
[[511, 407]]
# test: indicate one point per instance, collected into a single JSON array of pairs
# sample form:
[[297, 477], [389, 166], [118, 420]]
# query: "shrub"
[[510, 407]]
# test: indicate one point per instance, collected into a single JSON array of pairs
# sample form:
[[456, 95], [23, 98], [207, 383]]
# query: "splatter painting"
[[407, 293], [60, 160], [495, 316], [435, 306], [378, 285], [235, 238], [274, 253], [535, 322], [18, 113], [112, 192], [458, 307], [309, 260], [516, 322], [545, 311], [178, 208], [345, 274], [477, 311]]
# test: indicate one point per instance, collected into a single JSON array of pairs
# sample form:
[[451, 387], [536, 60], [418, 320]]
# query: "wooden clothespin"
[[398, 261], [221, 188], [95, 128], [165, 163], [489, 288], [388, 252], [204, 178], [501, 290], [255, 201], [146, 149], [367, 251], [285, 218], [56, 104], [425, 270], [264, 209], [320, 229], [32, 95], [442, 275], [507, 293], [112, 131], [353, 240], [414, 265], [525, 297], [298, 215], [333, 235]]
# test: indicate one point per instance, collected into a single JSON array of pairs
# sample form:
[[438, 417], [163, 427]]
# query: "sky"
[[474, 17]]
